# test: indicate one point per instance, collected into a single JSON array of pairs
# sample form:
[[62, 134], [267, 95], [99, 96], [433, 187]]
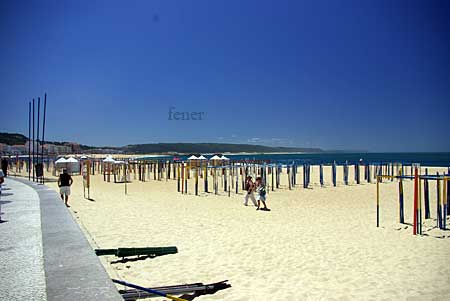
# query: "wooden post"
[[125, 176], [216, 185], [178, 177], [196, 181], [444, 201], [225, 179], [378, 203], [186, 176], [420, 206], [182, 178], [229, 183], [438, 203], [400, 198], [206, 177], [416, 200], [237, 179], [321, 174], [333, 173], [289, 176]]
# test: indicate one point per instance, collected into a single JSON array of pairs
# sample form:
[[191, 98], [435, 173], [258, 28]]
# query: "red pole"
[[416, 198]]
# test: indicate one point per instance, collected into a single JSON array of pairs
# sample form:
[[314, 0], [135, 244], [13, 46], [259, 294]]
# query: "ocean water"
[[424, 159]]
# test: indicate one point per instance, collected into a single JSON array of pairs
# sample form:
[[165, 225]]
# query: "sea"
[[440, 159]]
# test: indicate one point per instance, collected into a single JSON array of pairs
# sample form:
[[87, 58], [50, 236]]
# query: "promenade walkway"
[[43, 253]]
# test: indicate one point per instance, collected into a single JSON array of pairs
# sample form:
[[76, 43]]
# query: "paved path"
[[21, 254], [43, 253]]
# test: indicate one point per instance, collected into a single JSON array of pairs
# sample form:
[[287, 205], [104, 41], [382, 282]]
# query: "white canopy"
[[61, 160], [109, 159], [224, 158], [72, 160], [202, 157], [215, 157], [193, 158], [84, 157], [119, 162]]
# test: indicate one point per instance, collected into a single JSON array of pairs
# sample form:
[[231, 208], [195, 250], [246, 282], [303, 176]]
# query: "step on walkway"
[[43, 253]]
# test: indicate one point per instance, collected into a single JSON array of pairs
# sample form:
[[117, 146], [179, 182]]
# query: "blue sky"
[[370, 75]]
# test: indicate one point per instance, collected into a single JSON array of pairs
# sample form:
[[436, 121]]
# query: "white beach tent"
[[60, 164], [202, 158], [119, 162], [192, 158], [224, 158], [216, 160], [107, 166], [73, 166], [109, 159], [61, 161]]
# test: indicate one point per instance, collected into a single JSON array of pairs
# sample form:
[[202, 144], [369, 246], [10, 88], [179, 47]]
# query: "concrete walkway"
[[21, 254], [43, 253]]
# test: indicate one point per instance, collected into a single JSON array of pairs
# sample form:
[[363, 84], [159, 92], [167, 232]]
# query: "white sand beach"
[[316, 243]]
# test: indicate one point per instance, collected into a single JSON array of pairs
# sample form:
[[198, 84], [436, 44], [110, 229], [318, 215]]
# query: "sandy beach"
[[316, 243]]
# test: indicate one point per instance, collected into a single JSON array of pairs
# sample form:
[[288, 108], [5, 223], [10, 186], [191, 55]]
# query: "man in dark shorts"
[[5, 164], [64, 183]]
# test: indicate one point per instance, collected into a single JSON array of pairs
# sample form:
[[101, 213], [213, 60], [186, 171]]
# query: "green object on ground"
[[125, 252]]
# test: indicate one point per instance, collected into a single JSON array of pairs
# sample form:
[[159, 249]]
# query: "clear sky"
[[371, 75]]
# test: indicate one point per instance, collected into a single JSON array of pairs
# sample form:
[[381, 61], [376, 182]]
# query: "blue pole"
[[304, 175], [333, 170], [439, 216], [400, 191], [346, 173], [321, 174]]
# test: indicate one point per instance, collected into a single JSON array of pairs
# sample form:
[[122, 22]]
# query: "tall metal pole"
[[29, 140], [32, 164], [43, 134], [37, 131]]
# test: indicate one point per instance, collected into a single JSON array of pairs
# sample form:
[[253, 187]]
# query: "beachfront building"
[[6, 149]]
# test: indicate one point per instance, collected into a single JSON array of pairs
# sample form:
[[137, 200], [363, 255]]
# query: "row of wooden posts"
[[442, 197], [166, 170]]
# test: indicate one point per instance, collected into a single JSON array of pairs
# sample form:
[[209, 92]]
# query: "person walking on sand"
[[249, 187], [2, 179], [64, 183], [5, 164], [261, 194]]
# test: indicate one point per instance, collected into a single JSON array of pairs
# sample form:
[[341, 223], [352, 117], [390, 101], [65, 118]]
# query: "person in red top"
[[64, 183], [250, 187]]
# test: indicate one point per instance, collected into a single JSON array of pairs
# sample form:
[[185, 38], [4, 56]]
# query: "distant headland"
[[17, 144]]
